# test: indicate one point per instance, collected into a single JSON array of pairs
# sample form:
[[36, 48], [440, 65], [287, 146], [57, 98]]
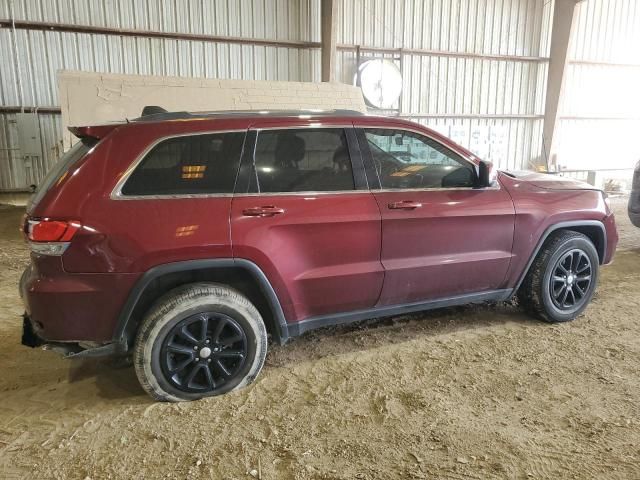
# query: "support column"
[[564, 13], [329, 32]]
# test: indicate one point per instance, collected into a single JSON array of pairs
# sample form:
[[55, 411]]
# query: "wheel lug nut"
[[207, 341], [208, 360], [195, 347]]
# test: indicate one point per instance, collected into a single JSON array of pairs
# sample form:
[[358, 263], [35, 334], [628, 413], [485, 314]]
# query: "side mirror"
[[486, 175]]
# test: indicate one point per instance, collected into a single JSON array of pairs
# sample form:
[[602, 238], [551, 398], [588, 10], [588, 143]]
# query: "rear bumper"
[[69, 308], [31, 338]]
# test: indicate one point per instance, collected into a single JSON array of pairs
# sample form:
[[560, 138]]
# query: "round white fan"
[[381, 82]]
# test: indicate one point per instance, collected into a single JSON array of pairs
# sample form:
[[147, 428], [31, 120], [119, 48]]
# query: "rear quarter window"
[[192, 164], [62, 166]]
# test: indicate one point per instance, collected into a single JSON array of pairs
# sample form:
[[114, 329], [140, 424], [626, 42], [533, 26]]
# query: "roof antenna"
[[152, 110]]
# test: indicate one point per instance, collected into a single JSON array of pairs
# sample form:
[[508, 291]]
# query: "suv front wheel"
[[199, 340], [562, 279]]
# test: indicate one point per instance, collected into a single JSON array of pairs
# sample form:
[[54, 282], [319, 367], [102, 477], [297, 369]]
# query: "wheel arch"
[[592, 229], [243, 275]]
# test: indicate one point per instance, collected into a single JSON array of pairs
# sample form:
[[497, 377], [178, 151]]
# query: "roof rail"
[[153, 113]]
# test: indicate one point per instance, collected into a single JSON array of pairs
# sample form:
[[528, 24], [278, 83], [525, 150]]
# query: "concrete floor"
[[476, 392]]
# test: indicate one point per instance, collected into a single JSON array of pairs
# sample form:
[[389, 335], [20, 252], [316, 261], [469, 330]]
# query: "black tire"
[[552, 273], [188, 317]]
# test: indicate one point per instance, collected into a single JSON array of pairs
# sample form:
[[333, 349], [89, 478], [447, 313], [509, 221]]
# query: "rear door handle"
[[404, 205], [265, 211]]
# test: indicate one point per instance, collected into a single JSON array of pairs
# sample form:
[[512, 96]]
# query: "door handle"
[[404, 205], [265, 211]]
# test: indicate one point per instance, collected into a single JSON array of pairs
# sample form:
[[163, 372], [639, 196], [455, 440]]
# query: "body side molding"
[[303, 326]]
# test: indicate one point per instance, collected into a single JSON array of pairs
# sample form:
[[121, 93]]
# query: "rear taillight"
[[50, 237]]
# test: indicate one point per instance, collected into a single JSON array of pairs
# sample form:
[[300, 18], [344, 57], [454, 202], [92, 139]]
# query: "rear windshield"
[[65, 162]]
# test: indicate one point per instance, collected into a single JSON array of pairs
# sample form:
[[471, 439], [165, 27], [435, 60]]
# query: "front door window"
[[405, 159]]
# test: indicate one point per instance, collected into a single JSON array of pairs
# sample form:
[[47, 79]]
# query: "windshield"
[[65, 162]]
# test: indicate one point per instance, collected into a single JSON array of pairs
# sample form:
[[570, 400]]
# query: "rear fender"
[[128, 323]]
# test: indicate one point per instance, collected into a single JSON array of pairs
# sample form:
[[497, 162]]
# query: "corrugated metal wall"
[[41, 54], [600, 106], [15, 173], [492, 88], [479, 75]]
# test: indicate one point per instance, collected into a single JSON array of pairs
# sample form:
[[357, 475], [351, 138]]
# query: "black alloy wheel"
[[203, 352], [570, 280]]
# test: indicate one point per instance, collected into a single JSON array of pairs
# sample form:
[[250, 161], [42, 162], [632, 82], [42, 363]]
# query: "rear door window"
[[303, 160], [192, 164]]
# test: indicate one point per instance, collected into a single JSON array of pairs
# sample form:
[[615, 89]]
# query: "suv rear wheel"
[[562, 279], [197, 341]]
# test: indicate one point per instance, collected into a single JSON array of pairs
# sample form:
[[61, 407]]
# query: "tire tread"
[[531, 290], [169, 302]]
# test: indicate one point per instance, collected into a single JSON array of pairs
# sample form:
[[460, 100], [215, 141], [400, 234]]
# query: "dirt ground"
[[463, 393]]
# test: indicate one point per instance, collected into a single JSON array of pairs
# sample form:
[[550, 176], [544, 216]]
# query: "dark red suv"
[[186, 239]]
